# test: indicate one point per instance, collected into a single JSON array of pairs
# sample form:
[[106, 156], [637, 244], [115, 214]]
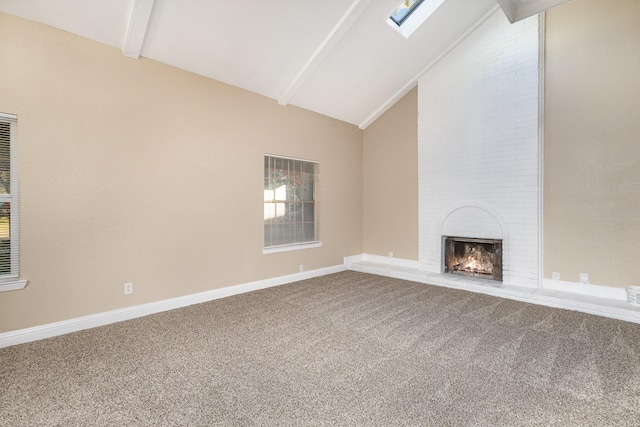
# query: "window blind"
[[289, 201], [9, 205]]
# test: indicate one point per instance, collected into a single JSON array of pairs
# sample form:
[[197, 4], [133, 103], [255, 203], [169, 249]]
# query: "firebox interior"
[[473, 257]]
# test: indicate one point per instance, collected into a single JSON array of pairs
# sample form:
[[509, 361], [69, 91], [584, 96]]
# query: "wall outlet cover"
[[128, 288]]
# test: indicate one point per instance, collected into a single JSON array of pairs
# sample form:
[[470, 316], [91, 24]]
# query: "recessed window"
[[411, 14], [9, 230], [404, 11], [290, 219]]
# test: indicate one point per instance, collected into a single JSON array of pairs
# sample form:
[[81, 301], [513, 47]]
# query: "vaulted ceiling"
[[339, 58]]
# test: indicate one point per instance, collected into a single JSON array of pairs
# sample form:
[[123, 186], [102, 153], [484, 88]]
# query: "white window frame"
[[418, 17], [306, 244], [12, 281]]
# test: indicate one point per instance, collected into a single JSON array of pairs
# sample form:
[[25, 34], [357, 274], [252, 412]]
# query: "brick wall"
[[478, 146]]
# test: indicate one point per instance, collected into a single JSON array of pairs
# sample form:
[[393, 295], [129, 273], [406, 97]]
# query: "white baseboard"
[[600, 300], [585, 289], [594, 299], [100, 319], [398, 262]]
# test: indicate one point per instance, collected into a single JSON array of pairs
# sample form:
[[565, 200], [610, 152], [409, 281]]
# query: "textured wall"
[[592, 142], [132, 170], [478, 146], [390, 199]]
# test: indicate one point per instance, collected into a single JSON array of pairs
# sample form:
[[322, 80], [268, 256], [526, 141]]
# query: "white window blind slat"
[[289, 202], [9, 200]]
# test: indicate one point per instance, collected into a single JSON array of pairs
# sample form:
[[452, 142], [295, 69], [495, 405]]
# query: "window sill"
[[14, 285], [286, 248]]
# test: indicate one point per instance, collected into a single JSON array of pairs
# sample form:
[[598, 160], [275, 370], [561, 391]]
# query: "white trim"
[[397, 262], [414, 81], [541, 65], [136, 27], [293, 247], [105, 318], [353, 258], [593, 299], [416, 19], [11, 281], [389, 103], [14, 285], [15, 202], [326, 46], [292, 158], [599, 300], [588, 289]]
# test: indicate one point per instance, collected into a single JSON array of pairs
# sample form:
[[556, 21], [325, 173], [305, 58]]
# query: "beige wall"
[[390, 198], [592, 141], [592, 150], [132, 170]]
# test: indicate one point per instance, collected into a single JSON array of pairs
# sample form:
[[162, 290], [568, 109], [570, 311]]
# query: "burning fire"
[[475, 260]]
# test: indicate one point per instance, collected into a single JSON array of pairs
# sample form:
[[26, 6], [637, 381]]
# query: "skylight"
[[411, 14], [404, 11]]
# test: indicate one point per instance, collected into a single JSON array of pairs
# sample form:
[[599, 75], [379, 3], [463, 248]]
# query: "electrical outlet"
[[555, 275], [584, 277], [128, 288], [390, 254], [301, 268]]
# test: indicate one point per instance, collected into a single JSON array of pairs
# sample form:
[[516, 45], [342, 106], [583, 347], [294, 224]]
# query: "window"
[[289, 204], [404, 11], [411, 14], [9, 205]]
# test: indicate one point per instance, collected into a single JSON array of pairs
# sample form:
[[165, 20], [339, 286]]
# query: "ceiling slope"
[[336, 57], [374, 65]]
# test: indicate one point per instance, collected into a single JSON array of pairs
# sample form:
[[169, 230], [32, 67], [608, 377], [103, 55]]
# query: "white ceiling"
[[336, 57]]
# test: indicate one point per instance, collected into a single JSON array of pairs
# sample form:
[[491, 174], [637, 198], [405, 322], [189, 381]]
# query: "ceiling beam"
[[321, 52], [136, 27], [414, 81]]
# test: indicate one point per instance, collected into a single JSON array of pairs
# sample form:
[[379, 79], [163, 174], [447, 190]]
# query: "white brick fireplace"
[[479, 171], [478, 147]]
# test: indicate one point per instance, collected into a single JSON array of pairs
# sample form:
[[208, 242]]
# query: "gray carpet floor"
[[348, 349]]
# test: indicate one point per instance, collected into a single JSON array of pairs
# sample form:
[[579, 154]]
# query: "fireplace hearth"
[[472, 257]]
